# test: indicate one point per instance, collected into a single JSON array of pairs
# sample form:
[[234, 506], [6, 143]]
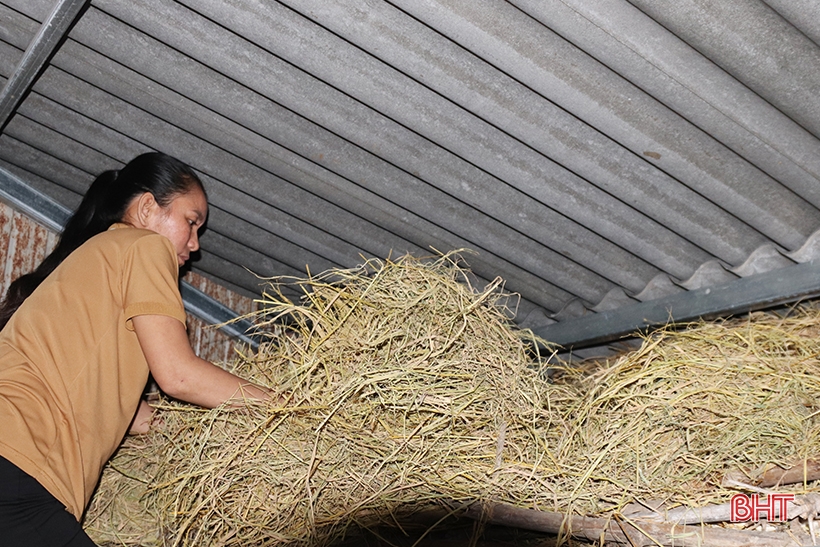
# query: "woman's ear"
[[146, 207]]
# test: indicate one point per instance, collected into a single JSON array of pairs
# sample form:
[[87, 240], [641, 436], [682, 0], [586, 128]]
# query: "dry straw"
[[407, 387], [669, 421]]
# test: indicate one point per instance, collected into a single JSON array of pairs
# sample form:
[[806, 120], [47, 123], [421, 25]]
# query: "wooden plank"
[[622, 532]]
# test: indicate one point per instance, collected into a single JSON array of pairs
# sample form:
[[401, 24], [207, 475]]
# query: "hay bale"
[[408, 388]]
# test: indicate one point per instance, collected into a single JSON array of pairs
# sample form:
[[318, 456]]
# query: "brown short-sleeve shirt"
[[71, 368]]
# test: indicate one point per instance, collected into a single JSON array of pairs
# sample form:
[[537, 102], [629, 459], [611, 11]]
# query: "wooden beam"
[[621, 531]]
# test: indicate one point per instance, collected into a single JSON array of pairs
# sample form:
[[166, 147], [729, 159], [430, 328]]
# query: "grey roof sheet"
[[594, 154]]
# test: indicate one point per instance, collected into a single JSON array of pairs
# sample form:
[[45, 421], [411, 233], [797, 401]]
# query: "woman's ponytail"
[[90, 218], [105, 204]]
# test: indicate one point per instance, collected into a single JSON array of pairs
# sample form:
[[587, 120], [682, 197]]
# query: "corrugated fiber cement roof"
[[596, 154]]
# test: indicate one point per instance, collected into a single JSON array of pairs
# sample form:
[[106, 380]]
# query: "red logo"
[[773, 508]]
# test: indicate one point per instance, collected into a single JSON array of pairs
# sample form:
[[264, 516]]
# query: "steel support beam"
[[211, 311], [51, 214], [765, 290], [33, 203], [51, 34]]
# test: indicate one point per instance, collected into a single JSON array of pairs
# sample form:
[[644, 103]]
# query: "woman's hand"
[[180, 373], [141, 423]]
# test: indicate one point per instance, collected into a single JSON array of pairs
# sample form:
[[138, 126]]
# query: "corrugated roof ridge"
[[765, 258]]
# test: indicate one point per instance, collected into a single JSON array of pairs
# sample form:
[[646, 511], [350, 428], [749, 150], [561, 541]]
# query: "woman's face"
[[180, 221]]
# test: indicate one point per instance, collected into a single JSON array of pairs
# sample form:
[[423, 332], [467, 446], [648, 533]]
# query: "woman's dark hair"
[[104, 204]]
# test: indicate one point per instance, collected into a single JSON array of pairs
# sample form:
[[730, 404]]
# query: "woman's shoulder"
[[125, 235], [124, 240]]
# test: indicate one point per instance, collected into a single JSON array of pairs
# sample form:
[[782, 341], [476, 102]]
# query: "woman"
[[79, 337]]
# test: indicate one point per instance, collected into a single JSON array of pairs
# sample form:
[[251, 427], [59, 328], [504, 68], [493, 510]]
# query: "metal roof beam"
[[48, 39], [54, 216], [765, 290]]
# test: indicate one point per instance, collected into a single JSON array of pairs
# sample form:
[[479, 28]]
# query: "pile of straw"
[[404, 386], [671, 420], [408, 388]]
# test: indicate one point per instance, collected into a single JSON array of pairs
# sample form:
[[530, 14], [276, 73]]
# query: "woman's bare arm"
[[180, 373]]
